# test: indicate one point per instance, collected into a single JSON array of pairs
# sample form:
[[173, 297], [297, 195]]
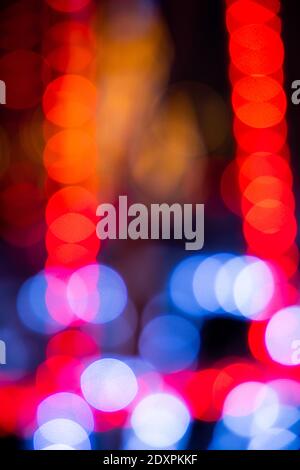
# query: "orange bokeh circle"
[[70, 101], [70, 156]]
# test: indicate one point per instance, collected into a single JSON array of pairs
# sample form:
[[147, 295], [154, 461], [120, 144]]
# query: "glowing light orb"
[[170, 343], [32, 307], [224, 282], [65, 156], [252, 50], [275, 439], [68, 406], [264, 164], [252, 139], [70, 101], [109, 385], [270, 228], [259, 102], [74, 199], [267, 187], [282, 336], [56, 297], [61, 432], [253, 288], [74, 343], [247, 12], [97, 293], [68, 46], [204, 281], [181, 285], [160, 420], [250, 408]]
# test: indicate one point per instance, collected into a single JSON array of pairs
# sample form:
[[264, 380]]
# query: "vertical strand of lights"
[[70, 160], [261, 166], [259, 104]]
